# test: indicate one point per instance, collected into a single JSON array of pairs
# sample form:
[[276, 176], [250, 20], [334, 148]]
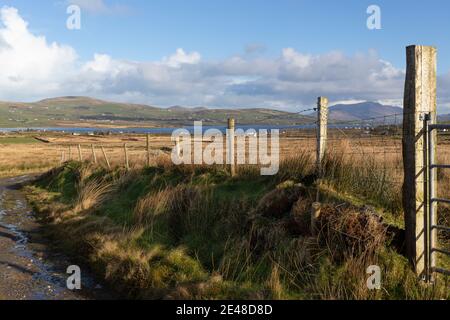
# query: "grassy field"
[[194, 232], [17, 140], [377, 156], [168, 231], [26, 153]]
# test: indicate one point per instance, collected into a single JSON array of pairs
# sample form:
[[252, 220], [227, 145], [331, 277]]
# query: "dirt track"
[[30, 269]]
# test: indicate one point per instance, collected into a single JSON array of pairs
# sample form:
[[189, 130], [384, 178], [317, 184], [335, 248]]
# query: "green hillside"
[[78, 110]]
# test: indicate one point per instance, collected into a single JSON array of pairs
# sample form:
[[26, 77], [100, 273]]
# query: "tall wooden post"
[[322, 126], [80, 155], [127, 163], [94, 156], [419, 103], [106, 157], [230, 146], [148, 150], [315, 215]]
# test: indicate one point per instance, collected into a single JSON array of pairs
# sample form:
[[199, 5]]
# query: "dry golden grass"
[[17, 159], [386, 151], [91, 194], [150, 206]]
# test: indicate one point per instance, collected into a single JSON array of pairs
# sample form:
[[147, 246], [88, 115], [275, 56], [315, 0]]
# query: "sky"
[[218, 53]]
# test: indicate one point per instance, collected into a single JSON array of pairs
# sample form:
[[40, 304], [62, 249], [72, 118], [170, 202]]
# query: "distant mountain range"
[[371, 111], [85, 111], [444, 118], [365, 110]]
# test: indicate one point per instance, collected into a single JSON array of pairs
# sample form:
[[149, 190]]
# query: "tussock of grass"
[[347, 233], [193, 232], [366, 178], [92, 195]]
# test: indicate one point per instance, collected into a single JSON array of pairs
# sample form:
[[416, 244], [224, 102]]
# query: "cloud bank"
[[32, 69]]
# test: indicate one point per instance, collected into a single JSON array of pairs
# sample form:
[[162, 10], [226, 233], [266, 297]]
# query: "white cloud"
[[32, 69], [29, 64], [346, 102], [181, 57], [295, 59]]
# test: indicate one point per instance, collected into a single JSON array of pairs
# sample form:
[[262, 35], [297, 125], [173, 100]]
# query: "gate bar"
[[441, 271], [440, 200], [440, 166], [432, 127], [431, 214], [441, 251], [433, 200], [442, 228]]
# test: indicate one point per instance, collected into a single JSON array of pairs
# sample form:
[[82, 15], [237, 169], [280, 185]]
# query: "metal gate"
[[432, 201]]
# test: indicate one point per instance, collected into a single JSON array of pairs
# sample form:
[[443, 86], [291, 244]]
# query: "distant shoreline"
[[144, 130]]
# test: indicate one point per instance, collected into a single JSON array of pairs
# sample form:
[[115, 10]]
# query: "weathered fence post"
[[94, 156], [231, 159], [106, 157], [125, 150], [322, 125], [70, 152], [419, 103], [315, 215], [148, 150], [80, 155]]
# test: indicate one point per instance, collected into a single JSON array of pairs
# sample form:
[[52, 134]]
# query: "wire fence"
[[374, 139], [371, 148]]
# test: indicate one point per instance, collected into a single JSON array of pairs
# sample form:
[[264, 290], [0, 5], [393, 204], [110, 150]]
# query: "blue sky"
[[249, 53], [142, 29]]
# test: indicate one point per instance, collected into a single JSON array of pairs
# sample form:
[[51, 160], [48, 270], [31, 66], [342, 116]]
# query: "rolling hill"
[[84, 111], [364, 110]]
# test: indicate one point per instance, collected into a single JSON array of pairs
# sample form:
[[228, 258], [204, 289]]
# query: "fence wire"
[[374, 141]]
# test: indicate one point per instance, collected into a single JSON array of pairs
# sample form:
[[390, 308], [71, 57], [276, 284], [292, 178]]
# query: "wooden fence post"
[[63, 157], [94, 156], [127, 164], [315, 215], [70, 152], [106, 157], [322, 126], [148, 150], [80, 155], [419, 102], [230, 146]]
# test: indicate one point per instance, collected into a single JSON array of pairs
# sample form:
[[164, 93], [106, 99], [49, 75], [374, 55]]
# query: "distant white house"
[[248, 134]]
